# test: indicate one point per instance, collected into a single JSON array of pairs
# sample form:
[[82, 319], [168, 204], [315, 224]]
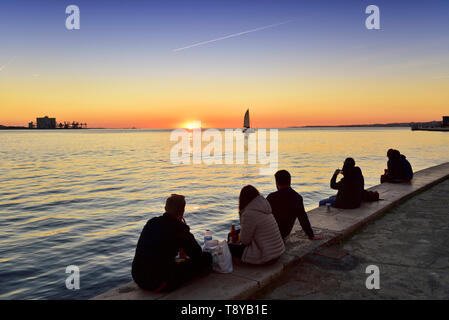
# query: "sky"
[[163, 64]]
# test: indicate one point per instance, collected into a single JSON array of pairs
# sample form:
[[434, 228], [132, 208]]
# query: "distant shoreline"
[[168, 129], [376, 125], [428, 124]]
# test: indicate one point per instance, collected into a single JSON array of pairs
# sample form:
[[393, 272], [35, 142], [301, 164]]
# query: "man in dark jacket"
[[154, 267], [350, 188], [287, 205]]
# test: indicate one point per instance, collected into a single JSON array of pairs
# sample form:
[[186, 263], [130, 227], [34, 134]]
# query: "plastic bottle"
[[207, 236]]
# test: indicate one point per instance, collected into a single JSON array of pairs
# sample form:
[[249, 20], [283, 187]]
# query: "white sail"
[[246, 120]]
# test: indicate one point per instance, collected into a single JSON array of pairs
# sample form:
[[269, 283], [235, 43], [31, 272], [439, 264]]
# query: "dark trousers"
[[236, 249], [175, 274], [330, 200], [185, 271], [387, 178]]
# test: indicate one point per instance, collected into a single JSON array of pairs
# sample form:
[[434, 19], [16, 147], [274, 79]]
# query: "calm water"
[[82, 197]]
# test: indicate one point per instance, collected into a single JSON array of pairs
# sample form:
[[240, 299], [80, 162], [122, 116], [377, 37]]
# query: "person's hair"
[[247, 195], [283, 178], [175, 205], [391, 153], [348, 165]]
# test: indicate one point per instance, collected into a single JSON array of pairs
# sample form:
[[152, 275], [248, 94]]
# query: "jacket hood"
[[260, 204]]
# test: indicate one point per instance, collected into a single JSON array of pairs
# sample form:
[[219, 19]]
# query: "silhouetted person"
[[399, 168], [261, 241], [287, 205], [154, 267], [350, 187]]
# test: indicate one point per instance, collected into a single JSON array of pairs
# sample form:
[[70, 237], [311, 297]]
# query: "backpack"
[[370, 196]]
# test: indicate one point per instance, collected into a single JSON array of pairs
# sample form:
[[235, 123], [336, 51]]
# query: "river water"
[[81, 197]]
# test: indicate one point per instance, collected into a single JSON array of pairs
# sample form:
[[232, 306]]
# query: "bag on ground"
[[370, 196], [221, 255]]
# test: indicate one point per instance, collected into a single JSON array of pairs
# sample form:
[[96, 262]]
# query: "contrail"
[[231, 36]]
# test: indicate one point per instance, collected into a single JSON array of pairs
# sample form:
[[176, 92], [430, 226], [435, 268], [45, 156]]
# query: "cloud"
[[446, 76], [231, 36], [5, 65]]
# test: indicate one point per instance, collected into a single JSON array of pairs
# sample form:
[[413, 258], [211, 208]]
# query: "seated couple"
[[399, 169], [266, 223]]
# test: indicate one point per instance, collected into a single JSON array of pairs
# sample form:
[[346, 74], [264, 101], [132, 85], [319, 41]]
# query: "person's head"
[[348, 165], [175, 205], [283, 179], [392, 153], [247, 195]]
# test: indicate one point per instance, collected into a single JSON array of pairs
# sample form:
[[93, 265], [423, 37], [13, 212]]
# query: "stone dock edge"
[[334, 226]]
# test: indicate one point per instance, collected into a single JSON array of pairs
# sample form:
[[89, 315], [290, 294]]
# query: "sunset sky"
[[305, 63]]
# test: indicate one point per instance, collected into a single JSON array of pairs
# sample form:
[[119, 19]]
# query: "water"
[[82, 197]]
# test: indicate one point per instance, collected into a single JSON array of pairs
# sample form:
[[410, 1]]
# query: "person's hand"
[[337, 171], [317, 237]]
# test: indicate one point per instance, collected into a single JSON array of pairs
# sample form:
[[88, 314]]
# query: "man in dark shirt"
[[350, 188], [154, 267], [287, 205]]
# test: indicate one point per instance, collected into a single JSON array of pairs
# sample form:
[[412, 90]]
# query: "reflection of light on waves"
[[130, 226], [48, 233]]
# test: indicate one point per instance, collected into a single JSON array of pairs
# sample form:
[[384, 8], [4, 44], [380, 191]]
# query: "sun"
[[192, 125]]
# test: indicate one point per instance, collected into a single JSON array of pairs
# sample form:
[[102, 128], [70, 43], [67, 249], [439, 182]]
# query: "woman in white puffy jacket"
[[261, 241]]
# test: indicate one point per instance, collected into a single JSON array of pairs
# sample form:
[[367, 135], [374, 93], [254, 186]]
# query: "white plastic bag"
[[221, 255]]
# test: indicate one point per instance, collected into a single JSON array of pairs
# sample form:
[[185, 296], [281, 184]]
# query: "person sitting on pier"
[[154, 266], [261, 241], [350, 188], [399, 168], [287, 206]]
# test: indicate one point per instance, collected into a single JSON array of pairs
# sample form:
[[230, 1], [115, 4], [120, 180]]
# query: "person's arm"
[[247, 229], [190, 245], [304, 220], [334, 184]]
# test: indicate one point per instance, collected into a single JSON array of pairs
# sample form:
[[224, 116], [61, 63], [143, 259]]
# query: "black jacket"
[[158, 245], [399, 168], [287, 205], [350, 189]]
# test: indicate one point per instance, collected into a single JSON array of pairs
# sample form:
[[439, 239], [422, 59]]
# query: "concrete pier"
[[334, 226]]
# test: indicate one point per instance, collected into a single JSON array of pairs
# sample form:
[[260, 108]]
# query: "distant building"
[[31, 125], [46, 123], [445, 121]]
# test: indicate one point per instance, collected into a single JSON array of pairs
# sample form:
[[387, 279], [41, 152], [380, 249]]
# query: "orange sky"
[[221, 103]]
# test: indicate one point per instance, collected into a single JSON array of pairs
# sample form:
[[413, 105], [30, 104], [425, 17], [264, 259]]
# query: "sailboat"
[[246, 126]]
